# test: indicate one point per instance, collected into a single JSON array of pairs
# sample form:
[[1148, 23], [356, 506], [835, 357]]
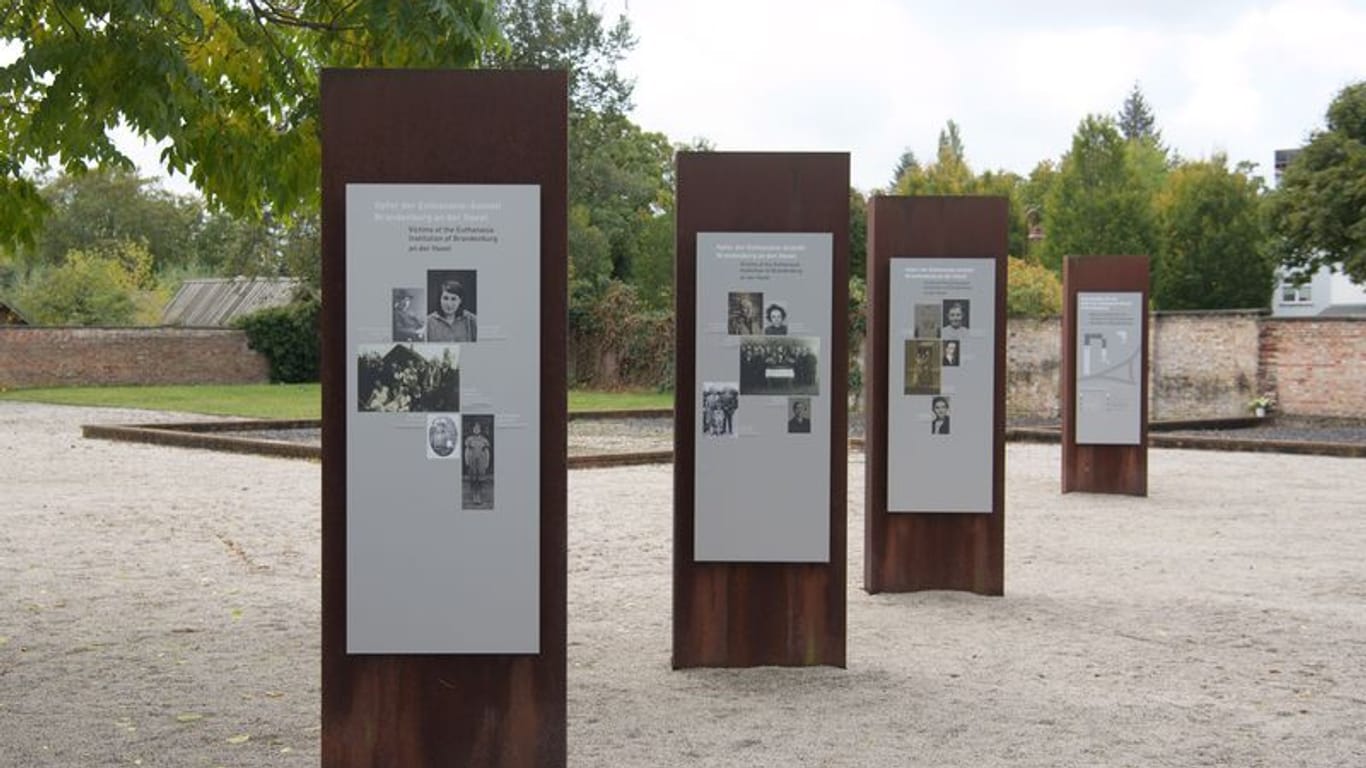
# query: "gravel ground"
[[159, 607]]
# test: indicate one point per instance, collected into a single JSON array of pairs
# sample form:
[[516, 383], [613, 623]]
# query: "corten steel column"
[[911, 551], [445, 127], [1101, 468], [742, 614]]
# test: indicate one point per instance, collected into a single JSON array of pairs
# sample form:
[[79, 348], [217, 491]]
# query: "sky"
[[877, 77]]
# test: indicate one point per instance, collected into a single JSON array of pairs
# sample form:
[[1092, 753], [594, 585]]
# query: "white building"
[[1328, 292]]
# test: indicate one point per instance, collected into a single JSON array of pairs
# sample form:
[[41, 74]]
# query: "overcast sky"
[[874, 77]]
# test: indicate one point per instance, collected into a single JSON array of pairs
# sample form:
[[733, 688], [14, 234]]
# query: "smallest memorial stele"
[[1105, 375]]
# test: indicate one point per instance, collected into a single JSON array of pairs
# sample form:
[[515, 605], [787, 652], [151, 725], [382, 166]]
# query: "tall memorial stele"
[[934, 404], [761, 425], [1105, 375], [444, 410]]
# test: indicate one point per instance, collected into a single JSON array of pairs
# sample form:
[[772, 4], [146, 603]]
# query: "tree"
[[568, 35], [96, 210], [1213, 253], [1319, 211], [89, 287], [950, 174], [230, 85], [1097, 204], [904, 163], [858, 234], [1136, 119], [1032, 290], [617, 171]]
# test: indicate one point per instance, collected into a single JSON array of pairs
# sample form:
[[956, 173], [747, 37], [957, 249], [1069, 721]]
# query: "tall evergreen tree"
[[1136, 119]]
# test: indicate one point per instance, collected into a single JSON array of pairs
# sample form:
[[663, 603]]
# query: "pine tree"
[[1136, 119]]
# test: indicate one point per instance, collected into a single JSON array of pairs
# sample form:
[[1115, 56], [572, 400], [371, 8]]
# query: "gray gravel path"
[[159, 607]]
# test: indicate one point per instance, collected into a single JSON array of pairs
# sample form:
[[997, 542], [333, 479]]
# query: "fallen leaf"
[[188, 717], [241, 738]]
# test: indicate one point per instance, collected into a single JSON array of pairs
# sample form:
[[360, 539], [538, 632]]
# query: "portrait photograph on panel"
[[952, 353], [922, 367], [409, 324], [443, 436], [404, 378], [452, 301], [927, 318], [956, 316], [799, 415], [780, 365], [720, 401], [477, 466], [744, 313], [939, 415], [775, 318]]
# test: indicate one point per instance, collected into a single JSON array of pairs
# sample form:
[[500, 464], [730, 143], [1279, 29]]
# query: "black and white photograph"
[[956, 316], [744, 313], [780, 365], [477, 465], [927, 318], [408, 322], [923, 368], [799, 415], [775, 318], [443, 436], [452, 301], [951, 353], [939, 421], [720, 401], [408, 378]]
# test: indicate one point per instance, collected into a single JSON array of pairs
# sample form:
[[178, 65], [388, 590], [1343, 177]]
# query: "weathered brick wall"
[[1202, 365], [44, 357], [1316, 366], [1033, 359]]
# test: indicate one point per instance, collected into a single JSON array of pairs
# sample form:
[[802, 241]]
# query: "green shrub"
[[289, 337], [1032, 290], [617, 341]]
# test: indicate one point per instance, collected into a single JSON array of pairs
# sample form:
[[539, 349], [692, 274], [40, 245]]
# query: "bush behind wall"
[[290, 338]]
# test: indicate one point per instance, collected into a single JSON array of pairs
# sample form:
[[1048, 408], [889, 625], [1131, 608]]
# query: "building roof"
[[216, 302], [1344, 310], [10, 316]]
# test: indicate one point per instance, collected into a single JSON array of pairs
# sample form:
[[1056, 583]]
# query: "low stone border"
[[209, 435]]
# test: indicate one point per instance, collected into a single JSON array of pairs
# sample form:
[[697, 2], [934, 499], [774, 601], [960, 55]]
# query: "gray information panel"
[[762, 457], [443, 418], [942, 381], [1109, 368]]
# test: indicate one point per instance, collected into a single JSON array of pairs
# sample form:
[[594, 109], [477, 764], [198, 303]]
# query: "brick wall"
[[1202, 364], [43, 357], [1033, 360], [1209, 365], [1316, 366]]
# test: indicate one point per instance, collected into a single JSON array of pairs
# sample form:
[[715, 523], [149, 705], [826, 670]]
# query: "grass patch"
[[273, 401], [254, 401], [588, 400]]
